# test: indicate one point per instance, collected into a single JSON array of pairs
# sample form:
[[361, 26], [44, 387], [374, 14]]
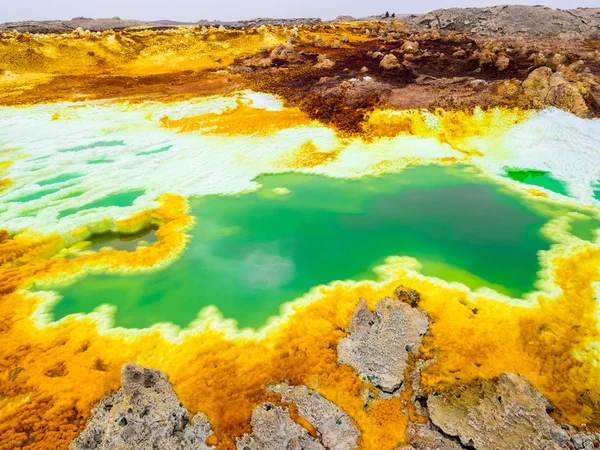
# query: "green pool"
[[250, 253]]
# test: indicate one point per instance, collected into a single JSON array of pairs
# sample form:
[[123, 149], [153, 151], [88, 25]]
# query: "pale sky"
[[194, 10]]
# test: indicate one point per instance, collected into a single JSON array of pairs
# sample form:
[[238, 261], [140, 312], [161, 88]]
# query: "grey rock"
[[274, 429], [344, 18], [61, 26], [513, 19], [427, 437], [335, 428], [504, 413], [379, 342], [143, 414], [255, 23]]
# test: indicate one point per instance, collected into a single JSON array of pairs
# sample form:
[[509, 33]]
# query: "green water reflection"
[[251, 253]]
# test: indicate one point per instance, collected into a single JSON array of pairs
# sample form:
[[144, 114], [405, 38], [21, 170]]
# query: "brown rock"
[[408, 295], [502, 62], [410, 47], [390, 62], [486, 58], [566, 96]]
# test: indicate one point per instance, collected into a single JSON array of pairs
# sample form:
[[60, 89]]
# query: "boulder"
[[410, 47], [390, 62], [283, 52]]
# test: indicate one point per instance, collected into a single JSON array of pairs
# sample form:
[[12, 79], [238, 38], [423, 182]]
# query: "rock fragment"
[[407, 295], [410, 47], [335, 428], [502, 62], [324, 63], [143, 414], [427, 437], [504, 413], [379, 342], [274, 429], [544, 88], [282, 52], [390, 62]]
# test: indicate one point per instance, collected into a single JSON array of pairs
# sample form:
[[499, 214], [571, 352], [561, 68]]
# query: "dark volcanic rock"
[[143, 414]]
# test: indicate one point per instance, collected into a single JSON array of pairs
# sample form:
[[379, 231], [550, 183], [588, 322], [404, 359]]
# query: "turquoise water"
[[121, 199], [98, 144], [59, 179], [158, 150], [250, 253], [34, 196], [100, 161], [585, 228], [538, 178]]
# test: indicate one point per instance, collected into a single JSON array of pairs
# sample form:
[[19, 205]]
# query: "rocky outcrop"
[[513, 19], [259, 22], [283, 52], [61, 26], [335, 428], [503, 413], [274, 429], [544, 88], [378, 343], [143, 414], [427, 437]]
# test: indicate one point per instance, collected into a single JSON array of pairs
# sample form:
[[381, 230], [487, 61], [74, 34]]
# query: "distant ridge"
[[494, 21]]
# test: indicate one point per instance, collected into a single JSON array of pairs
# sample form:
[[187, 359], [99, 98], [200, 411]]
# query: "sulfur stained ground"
[[51, 376]]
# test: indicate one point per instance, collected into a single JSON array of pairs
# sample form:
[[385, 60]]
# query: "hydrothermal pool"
[[158, 212], [252, 252]]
